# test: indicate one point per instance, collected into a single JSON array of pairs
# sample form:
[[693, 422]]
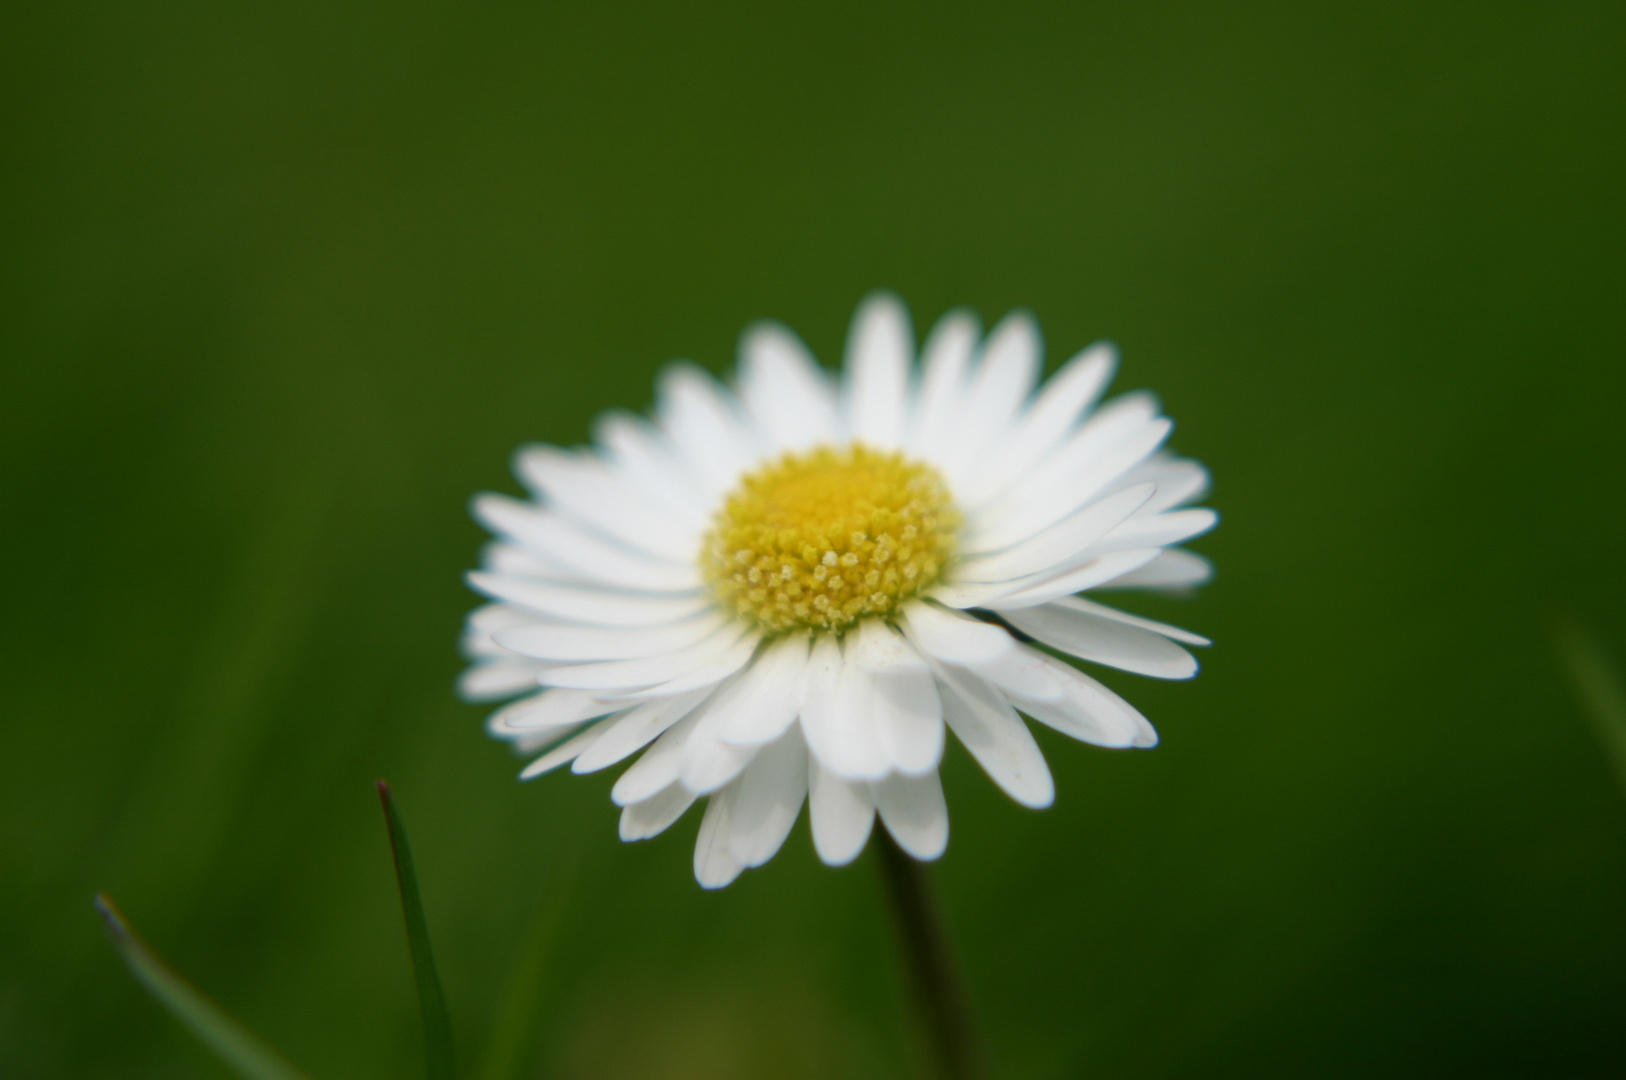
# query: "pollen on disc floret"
[[826, 537]]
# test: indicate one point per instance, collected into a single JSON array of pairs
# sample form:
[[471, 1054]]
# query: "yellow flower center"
[[824, 538]]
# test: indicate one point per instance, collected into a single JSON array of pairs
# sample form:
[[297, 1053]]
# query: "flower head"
[[784, 591]]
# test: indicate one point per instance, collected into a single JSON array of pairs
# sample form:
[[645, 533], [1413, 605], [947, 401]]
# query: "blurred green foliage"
[[280, 286]]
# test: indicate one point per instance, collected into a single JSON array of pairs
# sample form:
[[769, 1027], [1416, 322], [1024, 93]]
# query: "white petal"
[[881, 650], [650, 465], [586, 490], [842, 813], [1077, 603], [1063, 545], [1159, 530], [838, 716], [649, 670], [1104, 641], [908, 718], [595, 607], [708, 674], [560, 643], [880, 349], [493, 680], [1043, 497], [1010, 363], [714, 867], [771, 792], [1175, 570], [1094, 573], [908, 714], [759, 707], [1031, 508], [951, 636], [706, 426], [528, 743], [565, 751], [944, 361], [578, 551], [819, 688], [708, 762], [1005, 377], [651, 817], [861, 755], [635, 729], [486, 620], [985, 722], [549, 709], [1063, 400], [993, 393], [1179, 481], [1089, 711], [913, 810], [1023, 671], [786, 393], [659, 765], [763, 699], [510, 560], [1109, 425]]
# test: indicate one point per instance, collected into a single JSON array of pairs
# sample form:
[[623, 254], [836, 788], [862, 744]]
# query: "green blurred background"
[[282, 285]]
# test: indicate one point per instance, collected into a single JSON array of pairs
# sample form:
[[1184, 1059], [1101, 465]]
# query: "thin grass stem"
[[437, 1026], [239, 1048]]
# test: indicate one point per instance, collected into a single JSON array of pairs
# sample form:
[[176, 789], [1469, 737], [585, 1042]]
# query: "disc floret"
[[824, 538]]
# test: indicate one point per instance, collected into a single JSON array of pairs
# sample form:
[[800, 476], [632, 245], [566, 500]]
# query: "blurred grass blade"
[[236, 1045], [437, 1027], [515, 1029], [1597, 685]]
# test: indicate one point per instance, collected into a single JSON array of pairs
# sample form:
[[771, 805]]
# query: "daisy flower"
[[784, 590]]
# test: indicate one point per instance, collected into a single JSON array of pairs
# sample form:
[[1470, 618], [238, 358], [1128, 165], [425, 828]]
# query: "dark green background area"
[[281, 286]]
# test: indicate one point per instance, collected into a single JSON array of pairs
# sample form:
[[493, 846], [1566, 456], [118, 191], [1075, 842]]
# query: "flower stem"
[[934, 974]]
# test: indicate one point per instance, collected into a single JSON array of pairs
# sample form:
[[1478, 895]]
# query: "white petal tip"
[[847, 843], [922, 849], [631, 832], [717, 873], [1037, 799], [1171, 671], [840, 858]]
